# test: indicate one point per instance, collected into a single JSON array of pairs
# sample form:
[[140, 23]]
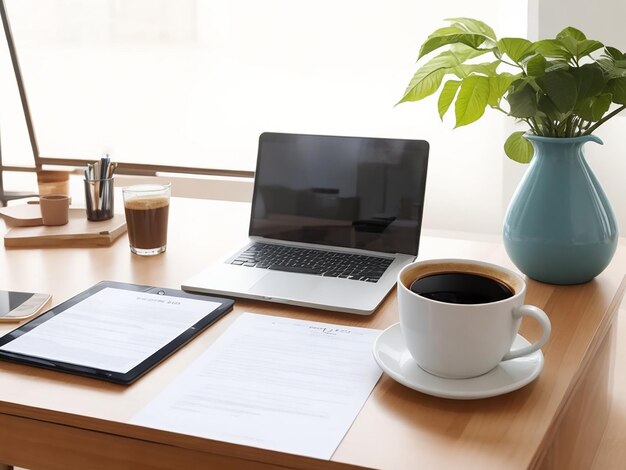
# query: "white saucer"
[[392, 356]]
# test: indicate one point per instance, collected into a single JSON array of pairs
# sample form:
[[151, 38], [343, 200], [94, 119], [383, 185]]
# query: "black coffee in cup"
[[461, 288]]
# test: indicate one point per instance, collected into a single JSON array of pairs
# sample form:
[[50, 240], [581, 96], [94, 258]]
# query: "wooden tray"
[[78, 232], [23, 215], [27, 215]]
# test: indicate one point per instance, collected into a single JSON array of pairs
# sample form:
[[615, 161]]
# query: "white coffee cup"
[[459, 341]]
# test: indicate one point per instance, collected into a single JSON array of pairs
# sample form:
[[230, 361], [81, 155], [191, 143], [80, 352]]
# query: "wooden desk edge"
[[126, 440], [582, 389]]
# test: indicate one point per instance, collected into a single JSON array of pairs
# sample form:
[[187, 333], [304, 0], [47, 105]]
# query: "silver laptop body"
[[358, 199]]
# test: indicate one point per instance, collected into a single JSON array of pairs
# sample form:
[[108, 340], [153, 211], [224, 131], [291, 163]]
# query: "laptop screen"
[[352, 192]]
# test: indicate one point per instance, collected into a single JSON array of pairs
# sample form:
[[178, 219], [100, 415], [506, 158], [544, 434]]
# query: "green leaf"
[[577, 34], [593, 108], [560, 86], [517, 148], [586, 47], [515, 48], [556, 65], [590, 80], [474, 26], [614, 53], [522, 101], [463, 52], [486, 68], [577, 44], [435, 42], [549, 109], [570, 45], [452, 29], [617, 88], [448, 92], [427, 79], [472, 100], [424, 83], [611, 69], [553, 48], [536, 66], [498, 86]]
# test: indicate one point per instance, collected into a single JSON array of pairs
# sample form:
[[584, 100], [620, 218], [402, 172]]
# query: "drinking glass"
[[147, 209]]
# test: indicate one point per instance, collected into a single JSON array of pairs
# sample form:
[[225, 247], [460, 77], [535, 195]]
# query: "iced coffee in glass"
[[147, 209]]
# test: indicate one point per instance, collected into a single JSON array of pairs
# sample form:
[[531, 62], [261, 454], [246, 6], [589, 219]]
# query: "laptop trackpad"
[[286, 286]]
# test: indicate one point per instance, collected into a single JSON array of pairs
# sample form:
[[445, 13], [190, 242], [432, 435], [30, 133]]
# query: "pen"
[[111, 170], [104, 170]]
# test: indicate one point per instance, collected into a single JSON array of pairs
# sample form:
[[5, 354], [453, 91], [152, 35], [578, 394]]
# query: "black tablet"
[[113, 331]]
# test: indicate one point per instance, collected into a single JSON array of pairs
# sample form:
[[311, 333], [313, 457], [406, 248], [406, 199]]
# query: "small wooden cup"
[[55, 209]]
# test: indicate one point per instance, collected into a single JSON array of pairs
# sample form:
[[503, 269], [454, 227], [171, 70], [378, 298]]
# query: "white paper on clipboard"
[[113, 330]]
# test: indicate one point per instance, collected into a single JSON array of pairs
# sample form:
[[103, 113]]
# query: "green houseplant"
[[559, 227]]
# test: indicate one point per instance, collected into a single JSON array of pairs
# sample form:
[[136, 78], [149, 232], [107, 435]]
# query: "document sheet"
[[113, 330], [288, 385]]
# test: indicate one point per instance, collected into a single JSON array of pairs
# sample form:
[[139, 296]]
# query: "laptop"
[[333, 221]]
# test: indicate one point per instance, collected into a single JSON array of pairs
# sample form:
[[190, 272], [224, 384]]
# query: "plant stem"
[[581, 126], [574, 126], [513, 65], [604, 119], [532, 123]]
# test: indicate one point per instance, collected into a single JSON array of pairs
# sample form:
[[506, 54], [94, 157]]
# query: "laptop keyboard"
[[311, 261]]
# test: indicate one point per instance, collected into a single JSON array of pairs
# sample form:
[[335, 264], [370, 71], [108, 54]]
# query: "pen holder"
[[99, 199]]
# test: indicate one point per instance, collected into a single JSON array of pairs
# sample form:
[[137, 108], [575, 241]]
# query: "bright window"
[[194, 82]]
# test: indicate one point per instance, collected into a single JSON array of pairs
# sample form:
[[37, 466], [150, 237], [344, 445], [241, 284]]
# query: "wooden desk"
[[59, 421]]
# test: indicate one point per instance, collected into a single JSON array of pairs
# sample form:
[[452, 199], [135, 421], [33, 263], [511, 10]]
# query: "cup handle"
[[544, 321]]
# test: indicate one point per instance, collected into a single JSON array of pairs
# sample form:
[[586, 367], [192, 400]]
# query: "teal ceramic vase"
[[560, 227]]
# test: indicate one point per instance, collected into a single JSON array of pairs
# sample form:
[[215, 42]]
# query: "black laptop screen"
[[354, 192]]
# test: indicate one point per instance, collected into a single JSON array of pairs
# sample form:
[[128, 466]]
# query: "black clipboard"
[[225, 305]]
